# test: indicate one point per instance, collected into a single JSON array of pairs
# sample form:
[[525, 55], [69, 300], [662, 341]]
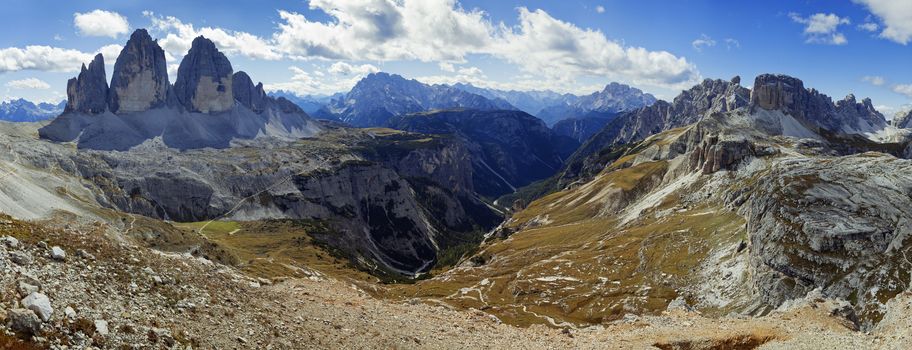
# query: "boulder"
[[140, 78], [40, 304], [204, 79], [88, 92], [24, 321], [11, 242], [58, 254], [20, 258]]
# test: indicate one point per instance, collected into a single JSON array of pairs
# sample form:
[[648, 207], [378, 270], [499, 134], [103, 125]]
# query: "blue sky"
[[323, 46]]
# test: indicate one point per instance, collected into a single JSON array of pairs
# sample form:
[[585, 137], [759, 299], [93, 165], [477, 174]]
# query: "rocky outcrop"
[[204, 79], [714, 154], [788, 94], [841, 225], [581, 129], [248, 95], [140, 78], [88, 93]]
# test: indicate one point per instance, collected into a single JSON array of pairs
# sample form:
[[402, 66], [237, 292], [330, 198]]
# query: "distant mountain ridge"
[[22, 110], [309, 103], [380, 96], [553, 107]]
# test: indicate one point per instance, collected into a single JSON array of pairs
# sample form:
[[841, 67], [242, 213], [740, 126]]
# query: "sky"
[[324, 46]]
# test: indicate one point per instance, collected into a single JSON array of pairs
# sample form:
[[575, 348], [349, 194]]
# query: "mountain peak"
[[140, 78], [204, 79], [88, 92]]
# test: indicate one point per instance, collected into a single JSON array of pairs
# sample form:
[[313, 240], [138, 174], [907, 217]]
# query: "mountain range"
[[380, 96], [739, 204], [21, 110]]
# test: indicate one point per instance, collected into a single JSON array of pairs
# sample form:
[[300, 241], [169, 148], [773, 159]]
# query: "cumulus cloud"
[[703, 41], [28, 83], [903, 89], [874, 80], [305, 82], [822, 28], [600, 9], [427, 30], [178, 37], [446, 67], [896, 17], [100, 23], [868, 27], [541, 44], [43, 58], [348, 69]]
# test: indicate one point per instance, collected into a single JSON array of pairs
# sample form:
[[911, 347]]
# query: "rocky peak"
[[140, 78], [204, 79], [711, 96], [248, 95], [787, 94], [88, 92]]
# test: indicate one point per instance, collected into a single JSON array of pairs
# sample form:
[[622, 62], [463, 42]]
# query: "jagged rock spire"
[[252, 97], [88, 93], [204, 79], [140, 78]]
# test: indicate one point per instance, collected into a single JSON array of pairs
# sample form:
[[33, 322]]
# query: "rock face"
[[250, 96], [787, 94], [840, 225], [510, 149], [140, 78], [581, 129], [380, 96], [204, 79], [88, 93]]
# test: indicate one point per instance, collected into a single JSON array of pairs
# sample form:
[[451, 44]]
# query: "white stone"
[[27, 289], [40, 304], [101, 327], [57, 253], [11, 242], [69, 313]]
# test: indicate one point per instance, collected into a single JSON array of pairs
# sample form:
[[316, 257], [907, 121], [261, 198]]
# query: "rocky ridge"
[[380, 96]]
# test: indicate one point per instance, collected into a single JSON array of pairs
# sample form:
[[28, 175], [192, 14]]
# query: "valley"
[[178, 201]]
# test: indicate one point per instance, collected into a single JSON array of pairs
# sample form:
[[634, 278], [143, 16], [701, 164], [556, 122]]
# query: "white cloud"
[[868, 27], [446, 67], [347, 69], [110, 53], [100, 23], [600, 9], [903, 89], [543, 45], [732, 43], [703, 41], [426, 30], [28, 83], [43, 58], [309, 83], [896, 16], [178, 37], [874, 80], [822, 28]]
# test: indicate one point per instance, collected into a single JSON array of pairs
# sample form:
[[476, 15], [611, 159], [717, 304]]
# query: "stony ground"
[[104, 292]]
